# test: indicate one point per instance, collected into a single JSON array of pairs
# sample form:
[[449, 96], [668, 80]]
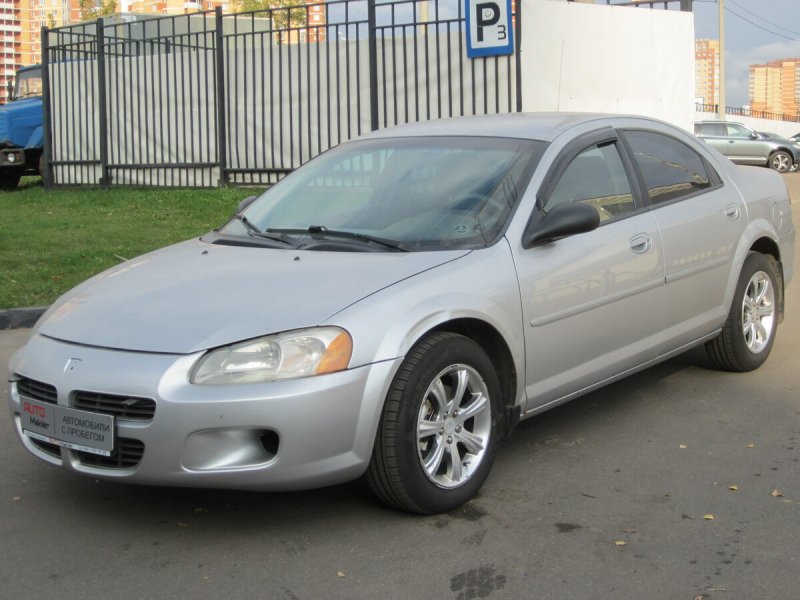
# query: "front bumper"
[[275, 436], [12, 157]]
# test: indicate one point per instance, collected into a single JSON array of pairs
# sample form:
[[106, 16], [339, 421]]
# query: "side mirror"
[[564, 219], [245, 203]]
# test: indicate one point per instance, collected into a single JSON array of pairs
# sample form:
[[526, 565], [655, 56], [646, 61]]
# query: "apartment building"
[[775, 86], [10, 29], [706, 71]]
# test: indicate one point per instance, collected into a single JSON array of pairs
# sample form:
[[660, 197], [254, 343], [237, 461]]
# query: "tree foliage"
[[94, 9], [293, 15]]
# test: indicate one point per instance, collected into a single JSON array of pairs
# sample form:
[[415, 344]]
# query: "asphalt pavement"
[[677, 483]]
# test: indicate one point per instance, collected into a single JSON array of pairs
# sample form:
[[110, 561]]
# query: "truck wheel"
[[9, 181], [780, 161]]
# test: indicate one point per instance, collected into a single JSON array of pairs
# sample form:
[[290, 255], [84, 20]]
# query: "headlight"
[[289, 355]]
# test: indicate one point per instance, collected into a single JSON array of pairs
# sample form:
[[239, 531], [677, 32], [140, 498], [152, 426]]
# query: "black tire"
[[396, 472], [9, 180], [781, 161], [739, 348]]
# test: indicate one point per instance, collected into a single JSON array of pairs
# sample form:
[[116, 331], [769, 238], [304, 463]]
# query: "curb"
[[16, 318]]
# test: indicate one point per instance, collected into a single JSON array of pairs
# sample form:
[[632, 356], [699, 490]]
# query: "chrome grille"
[[36, 390], [127, 455], [121, 407]]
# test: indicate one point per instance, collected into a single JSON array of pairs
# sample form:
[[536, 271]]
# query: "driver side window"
[[596, 177]]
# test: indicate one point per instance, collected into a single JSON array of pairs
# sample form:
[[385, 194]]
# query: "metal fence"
[[208, 99], [746, 112]]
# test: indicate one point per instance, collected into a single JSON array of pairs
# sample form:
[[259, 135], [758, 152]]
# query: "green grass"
[[52, 240]]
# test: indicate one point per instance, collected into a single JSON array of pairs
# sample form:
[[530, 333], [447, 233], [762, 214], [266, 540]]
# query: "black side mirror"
[[245, 203], [564, 219]]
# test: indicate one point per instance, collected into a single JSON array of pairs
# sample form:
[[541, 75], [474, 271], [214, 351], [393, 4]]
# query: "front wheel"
[[438, 433], [747, 337], [780, 161]]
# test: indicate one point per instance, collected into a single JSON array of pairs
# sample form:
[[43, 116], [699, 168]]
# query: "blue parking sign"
[[490, 29]]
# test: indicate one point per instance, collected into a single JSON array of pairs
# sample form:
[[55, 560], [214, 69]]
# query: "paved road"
[[640, 462]]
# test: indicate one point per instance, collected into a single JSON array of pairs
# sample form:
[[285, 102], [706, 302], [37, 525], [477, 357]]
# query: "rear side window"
[[671, 169], [710, 129]]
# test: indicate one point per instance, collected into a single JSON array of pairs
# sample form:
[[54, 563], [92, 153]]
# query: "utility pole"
[[721, 99]]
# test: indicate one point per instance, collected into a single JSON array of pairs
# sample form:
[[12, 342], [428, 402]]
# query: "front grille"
[[121, 407], [46, 447], [36, 390], [127, 455]]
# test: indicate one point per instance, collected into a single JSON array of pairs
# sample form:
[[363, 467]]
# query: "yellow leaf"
[[17, 498], [733, 488], [750, 446], [620, 543], [340, 574], [683, 446], [776, 493], [708, 517]]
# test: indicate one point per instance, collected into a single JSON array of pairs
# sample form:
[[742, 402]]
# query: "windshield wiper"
[[321, 230], [277, 236]]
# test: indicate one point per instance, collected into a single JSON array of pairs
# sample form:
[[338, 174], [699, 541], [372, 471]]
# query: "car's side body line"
[[713, 264], [571, 312]]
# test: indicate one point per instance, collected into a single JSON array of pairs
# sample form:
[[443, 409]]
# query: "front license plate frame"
[[68, 427]]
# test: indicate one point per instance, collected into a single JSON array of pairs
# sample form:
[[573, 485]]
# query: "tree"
[[281, 19], [94, 9]]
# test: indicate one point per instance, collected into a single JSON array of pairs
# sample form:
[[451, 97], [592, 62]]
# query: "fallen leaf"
[[698, 598], [620, 543], [340, 574], [182, 524], [683, 446], [776, 493], [750, 446], [733, 488], [708, 517]]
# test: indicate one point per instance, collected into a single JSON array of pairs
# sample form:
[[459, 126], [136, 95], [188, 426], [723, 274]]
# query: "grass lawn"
[[51, 241]]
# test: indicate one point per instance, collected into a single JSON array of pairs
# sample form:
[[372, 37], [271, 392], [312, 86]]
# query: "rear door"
[[700, 220]]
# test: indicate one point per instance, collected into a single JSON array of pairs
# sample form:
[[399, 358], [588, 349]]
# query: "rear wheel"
[[438, 433], [780, 161], [747, 337]]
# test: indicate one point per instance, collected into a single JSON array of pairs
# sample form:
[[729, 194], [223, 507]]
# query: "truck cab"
[[21, 132]]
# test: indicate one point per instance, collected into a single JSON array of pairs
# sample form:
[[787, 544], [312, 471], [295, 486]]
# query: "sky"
[[756, 31]]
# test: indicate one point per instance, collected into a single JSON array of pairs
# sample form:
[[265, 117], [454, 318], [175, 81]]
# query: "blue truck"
[[21, 132]]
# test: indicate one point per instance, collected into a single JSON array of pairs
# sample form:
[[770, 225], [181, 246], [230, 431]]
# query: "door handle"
[[640, 243]]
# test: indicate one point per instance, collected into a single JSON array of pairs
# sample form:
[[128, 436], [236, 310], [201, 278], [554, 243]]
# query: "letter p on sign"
[[490, 29]]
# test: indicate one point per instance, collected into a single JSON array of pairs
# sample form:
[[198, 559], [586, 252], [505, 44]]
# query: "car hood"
[[195, 295]]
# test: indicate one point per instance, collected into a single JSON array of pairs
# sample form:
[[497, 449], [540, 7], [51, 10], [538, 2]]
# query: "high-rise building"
[[10, 28], [706, 71], [775, 86]]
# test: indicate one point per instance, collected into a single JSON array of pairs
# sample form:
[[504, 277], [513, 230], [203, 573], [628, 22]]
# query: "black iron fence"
[[208, 99]]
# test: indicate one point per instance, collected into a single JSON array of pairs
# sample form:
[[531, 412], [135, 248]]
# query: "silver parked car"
[[393, 308], [746, 146]]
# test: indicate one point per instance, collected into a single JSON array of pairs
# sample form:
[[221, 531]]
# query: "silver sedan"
[[396, 306]]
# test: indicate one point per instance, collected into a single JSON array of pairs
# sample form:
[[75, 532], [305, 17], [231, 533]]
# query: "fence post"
[[373, 65], [102, 117], [47, 125], [222, 154]]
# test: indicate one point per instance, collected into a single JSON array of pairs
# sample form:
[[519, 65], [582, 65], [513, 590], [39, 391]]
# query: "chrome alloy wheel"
[[454, 426], [758, 312], [781, 162]]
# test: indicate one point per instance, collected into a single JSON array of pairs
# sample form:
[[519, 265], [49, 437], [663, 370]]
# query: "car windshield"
[[419, 193], [28, 84]]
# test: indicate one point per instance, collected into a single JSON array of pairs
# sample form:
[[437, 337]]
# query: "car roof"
[[535, 126]]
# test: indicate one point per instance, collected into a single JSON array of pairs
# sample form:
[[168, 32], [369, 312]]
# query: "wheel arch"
[[767, 246], [499, 353]]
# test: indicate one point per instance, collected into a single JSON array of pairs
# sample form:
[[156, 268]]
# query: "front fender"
[[37, 138], [481, 285]]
